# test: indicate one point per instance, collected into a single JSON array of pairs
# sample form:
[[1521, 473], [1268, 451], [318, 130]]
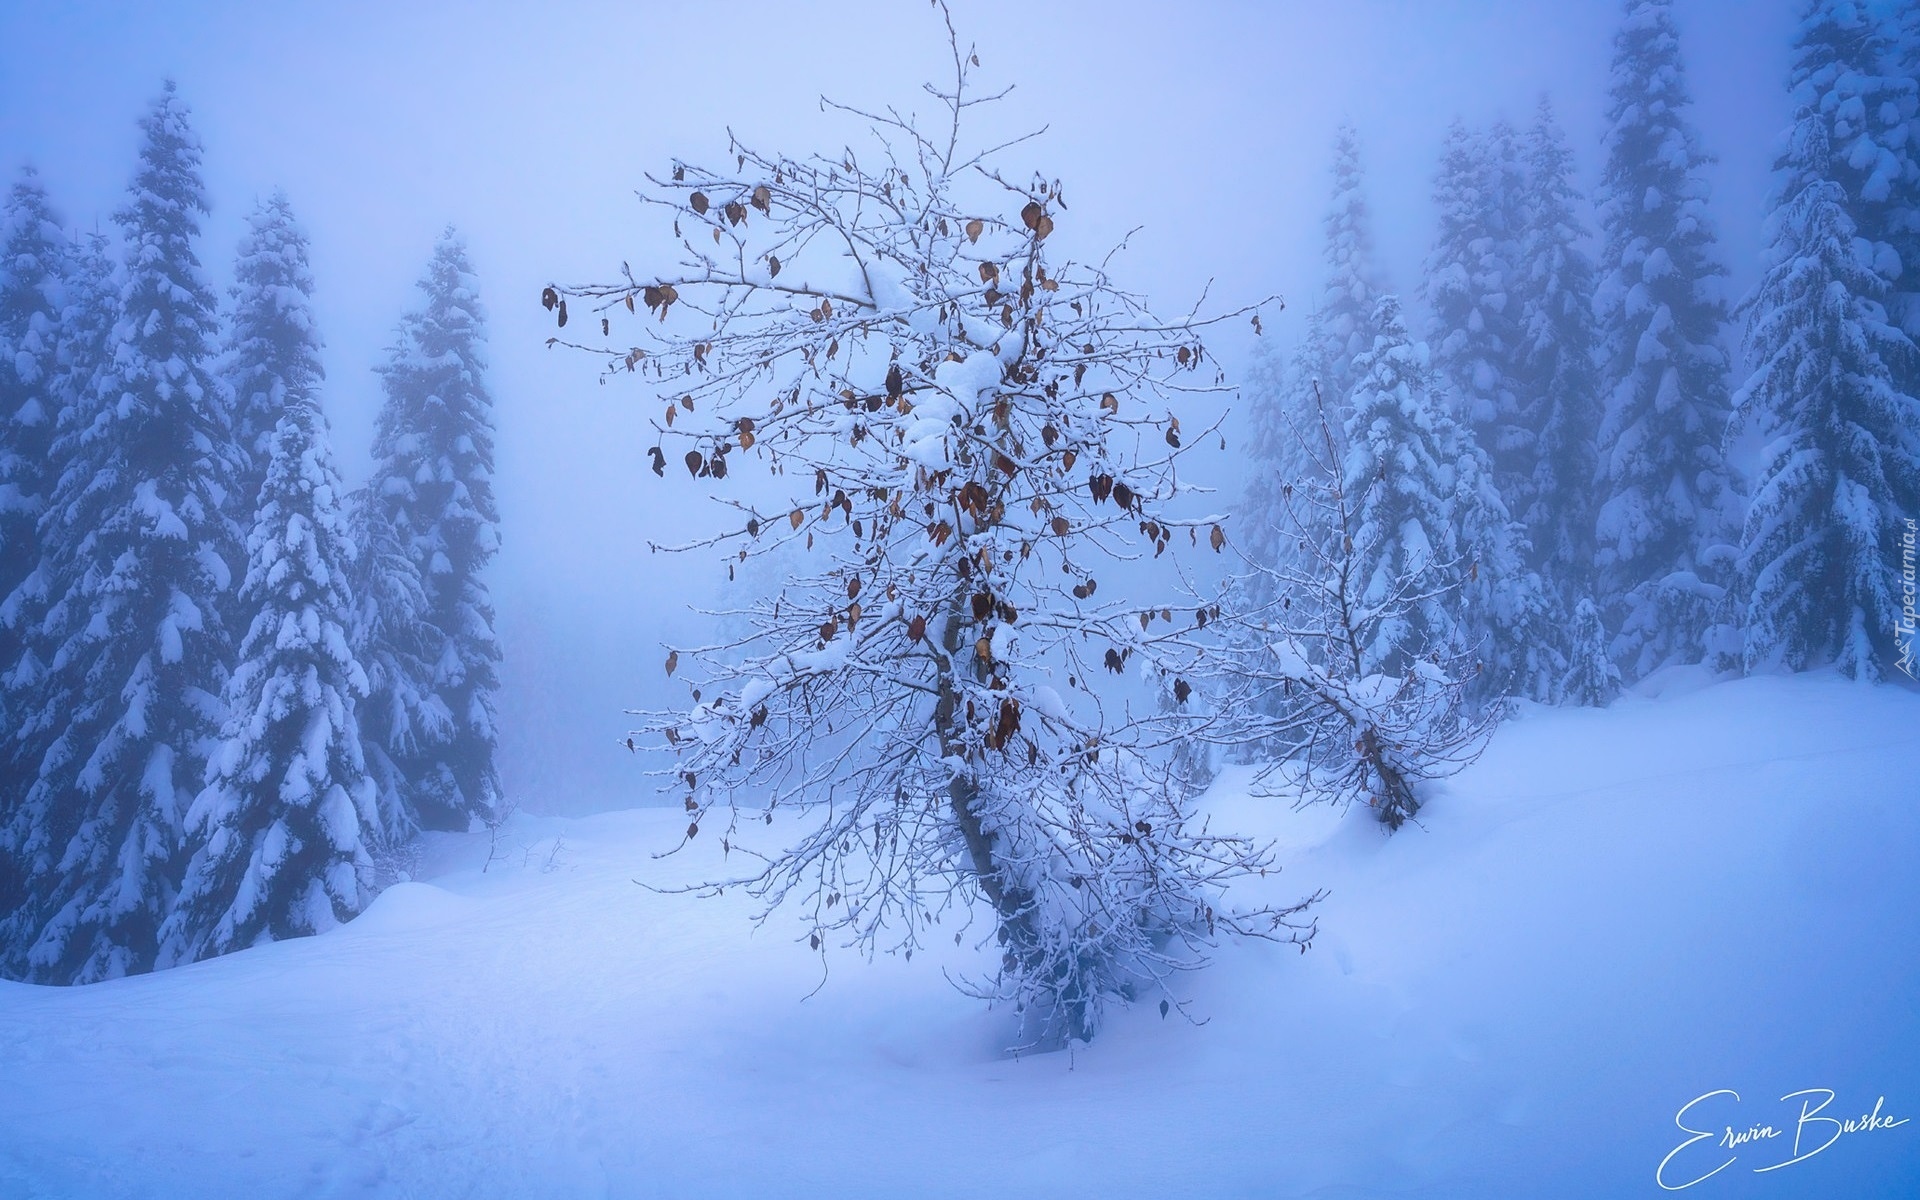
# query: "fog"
[[529, 128]]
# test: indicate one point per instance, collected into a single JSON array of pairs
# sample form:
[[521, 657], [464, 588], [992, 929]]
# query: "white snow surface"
[[1704, 886]]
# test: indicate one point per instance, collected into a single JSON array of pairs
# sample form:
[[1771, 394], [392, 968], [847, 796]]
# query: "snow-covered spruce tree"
[[39, 701], [433, 475], [1591, 678], [1402, 467], [273, 348], [1666, 507], [1511, 613], [971, 429], [31, 273], [278, 835], [1340, 328], [141, 653], [1555, 375], [1471, 327], [1475, 337], [1312, 665], [395, 646], [1900, 42], [1840, 458]]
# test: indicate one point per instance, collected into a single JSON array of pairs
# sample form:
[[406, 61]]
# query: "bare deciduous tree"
[[967, 431], [1346, 730]]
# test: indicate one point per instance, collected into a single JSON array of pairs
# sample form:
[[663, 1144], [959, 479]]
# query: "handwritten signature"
[[1807, 1129]]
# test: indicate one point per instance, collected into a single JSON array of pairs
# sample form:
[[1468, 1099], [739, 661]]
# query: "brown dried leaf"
[[673, 661], [698, 202], [973, 229]]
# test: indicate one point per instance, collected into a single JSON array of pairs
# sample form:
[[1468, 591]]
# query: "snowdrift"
[[1706, 888]]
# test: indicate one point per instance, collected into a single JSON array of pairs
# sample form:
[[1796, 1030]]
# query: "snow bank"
[[1613, 912]]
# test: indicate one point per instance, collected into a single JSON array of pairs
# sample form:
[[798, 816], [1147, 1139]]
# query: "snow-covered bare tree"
[[1282, 394], [1664, 527], [1840, 458], [278, 834], [968, 431], [433, 476], [1360, 723], [133, 688]]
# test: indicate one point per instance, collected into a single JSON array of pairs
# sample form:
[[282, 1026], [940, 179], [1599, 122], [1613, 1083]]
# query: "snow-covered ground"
[[1612, 913]]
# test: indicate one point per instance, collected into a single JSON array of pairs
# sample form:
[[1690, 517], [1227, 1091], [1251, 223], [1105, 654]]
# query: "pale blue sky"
[[528, 126]]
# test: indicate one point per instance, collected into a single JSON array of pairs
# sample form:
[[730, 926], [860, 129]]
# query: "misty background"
[[529, 129]]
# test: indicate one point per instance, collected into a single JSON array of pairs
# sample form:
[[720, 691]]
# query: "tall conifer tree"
[[280, 833], [1666, 504], [1556, 377], [1840, 460], [273, 347], [140, 649], [433, 477], [31, 299], [34, 262]]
